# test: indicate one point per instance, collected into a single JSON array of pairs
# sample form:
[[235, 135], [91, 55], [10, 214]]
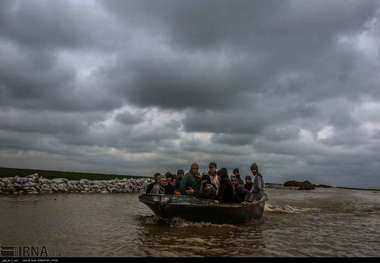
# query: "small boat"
[[204, 210]]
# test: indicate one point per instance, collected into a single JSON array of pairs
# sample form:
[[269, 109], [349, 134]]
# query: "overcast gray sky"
[[135, 87]]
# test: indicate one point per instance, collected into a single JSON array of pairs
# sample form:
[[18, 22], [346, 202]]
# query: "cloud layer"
[[144, 86]]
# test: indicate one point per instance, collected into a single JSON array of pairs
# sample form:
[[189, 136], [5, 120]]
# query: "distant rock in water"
[[34, 184], [305, 185]]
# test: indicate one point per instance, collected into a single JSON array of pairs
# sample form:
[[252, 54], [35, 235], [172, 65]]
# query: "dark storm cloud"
[[33, 72], [30, 77], [150, 85], [178, 81], [34, 141], [45, 24], [222, 51], [211, 24], [196, 24], [46, 122], [35, 79], [260, 114]]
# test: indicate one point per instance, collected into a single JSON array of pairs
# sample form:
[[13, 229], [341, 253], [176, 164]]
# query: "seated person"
[[156, 178], [170, 184], [180, 175], [236, 173], [207, 189], [214, 178], [190, 183], [157, 186], [248, 183], [226, 191], [240, 192]]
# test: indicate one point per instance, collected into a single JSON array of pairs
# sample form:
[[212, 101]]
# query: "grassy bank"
[[10, 172]]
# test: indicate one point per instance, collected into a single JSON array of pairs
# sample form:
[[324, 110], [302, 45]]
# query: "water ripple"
[[325, 222]]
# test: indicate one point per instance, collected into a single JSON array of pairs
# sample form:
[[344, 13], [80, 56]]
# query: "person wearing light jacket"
[[258, 182]]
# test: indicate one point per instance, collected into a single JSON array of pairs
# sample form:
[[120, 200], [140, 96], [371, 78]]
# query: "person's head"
[[236, 172], [156, 177], [163, 181], [248, 179], [194, 168], [168, 177], [234, 180], [180, 173], [173, 181], [222, 173], [212, 167], [254, 169]]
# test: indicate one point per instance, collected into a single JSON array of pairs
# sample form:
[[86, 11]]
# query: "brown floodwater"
[[322, 222]]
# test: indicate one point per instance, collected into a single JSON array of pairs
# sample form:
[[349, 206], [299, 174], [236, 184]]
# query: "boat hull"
[[203, 210]]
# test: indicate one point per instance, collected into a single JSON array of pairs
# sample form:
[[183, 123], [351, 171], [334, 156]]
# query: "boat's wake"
[[151, 220], [288, 209], [177, 222]]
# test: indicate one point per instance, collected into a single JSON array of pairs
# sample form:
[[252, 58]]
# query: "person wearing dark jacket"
[[170, 184], [180, 175], [209, 183], [207, 189], [190, 183], [156, 178], [214, 178], [236, 173], [226, 191], [240, 192], [248, 183]]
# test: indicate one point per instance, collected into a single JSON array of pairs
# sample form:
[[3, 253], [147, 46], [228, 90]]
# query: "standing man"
[[258, 182]]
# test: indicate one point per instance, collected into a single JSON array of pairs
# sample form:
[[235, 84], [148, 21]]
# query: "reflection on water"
[[323, 222], [200, 239]]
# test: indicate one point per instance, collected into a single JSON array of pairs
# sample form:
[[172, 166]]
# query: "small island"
[[305, 185]]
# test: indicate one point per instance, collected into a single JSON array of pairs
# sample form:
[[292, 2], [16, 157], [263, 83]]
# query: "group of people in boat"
[[215, 184]]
